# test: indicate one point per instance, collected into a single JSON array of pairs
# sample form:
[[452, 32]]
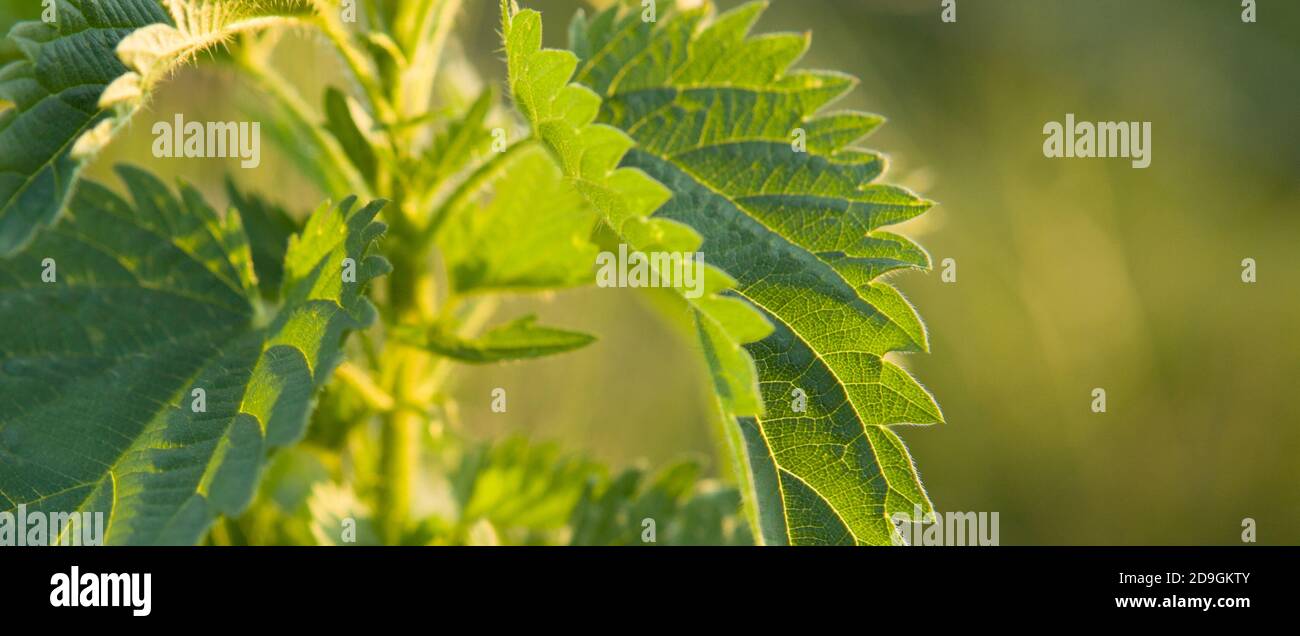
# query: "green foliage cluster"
[[257, 376]]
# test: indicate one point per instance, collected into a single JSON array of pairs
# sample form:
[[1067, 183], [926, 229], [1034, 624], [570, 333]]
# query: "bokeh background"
[[1073, 274]]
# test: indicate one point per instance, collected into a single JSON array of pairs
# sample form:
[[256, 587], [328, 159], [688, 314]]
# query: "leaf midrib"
[[800, 250], [857, 414]]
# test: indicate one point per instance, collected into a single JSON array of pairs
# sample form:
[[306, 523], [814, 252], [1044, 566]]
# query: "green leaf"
[[279, 513], [515, 484], [55, 89], [269, 228], [83, 79], [464, 139], [304, 146], [151, 301], [714, 114], [562, 115], [155, 51], [339, 121], [483, 241], [533, 493], [675, 504], [517, 340]]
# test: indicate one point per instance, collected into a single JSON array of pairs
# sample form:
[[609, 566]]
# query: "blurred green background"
[[1072, 274]]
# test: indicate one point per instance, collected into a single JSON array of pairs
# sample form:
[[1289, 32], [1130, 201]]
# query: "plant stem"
[[374, 396], [428, 45], [409, 377], [359, 65], [274, 86], [399, 457], [411, 295]]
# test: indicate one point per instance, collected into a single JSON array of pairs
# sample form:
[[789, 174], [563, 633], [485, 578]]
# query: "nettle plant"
[[251, 377]]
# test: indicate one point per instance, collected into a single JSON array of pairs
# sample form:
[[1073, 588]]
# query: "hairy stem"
[[287, 97], [359, 65], [399, 457], [408, 378], [412, 298], [431, 39]]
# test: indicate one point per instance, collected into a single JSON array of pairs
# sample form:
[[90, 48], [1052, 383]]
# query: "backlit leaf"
[[715, 115], [562, 117], [523, 228]]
